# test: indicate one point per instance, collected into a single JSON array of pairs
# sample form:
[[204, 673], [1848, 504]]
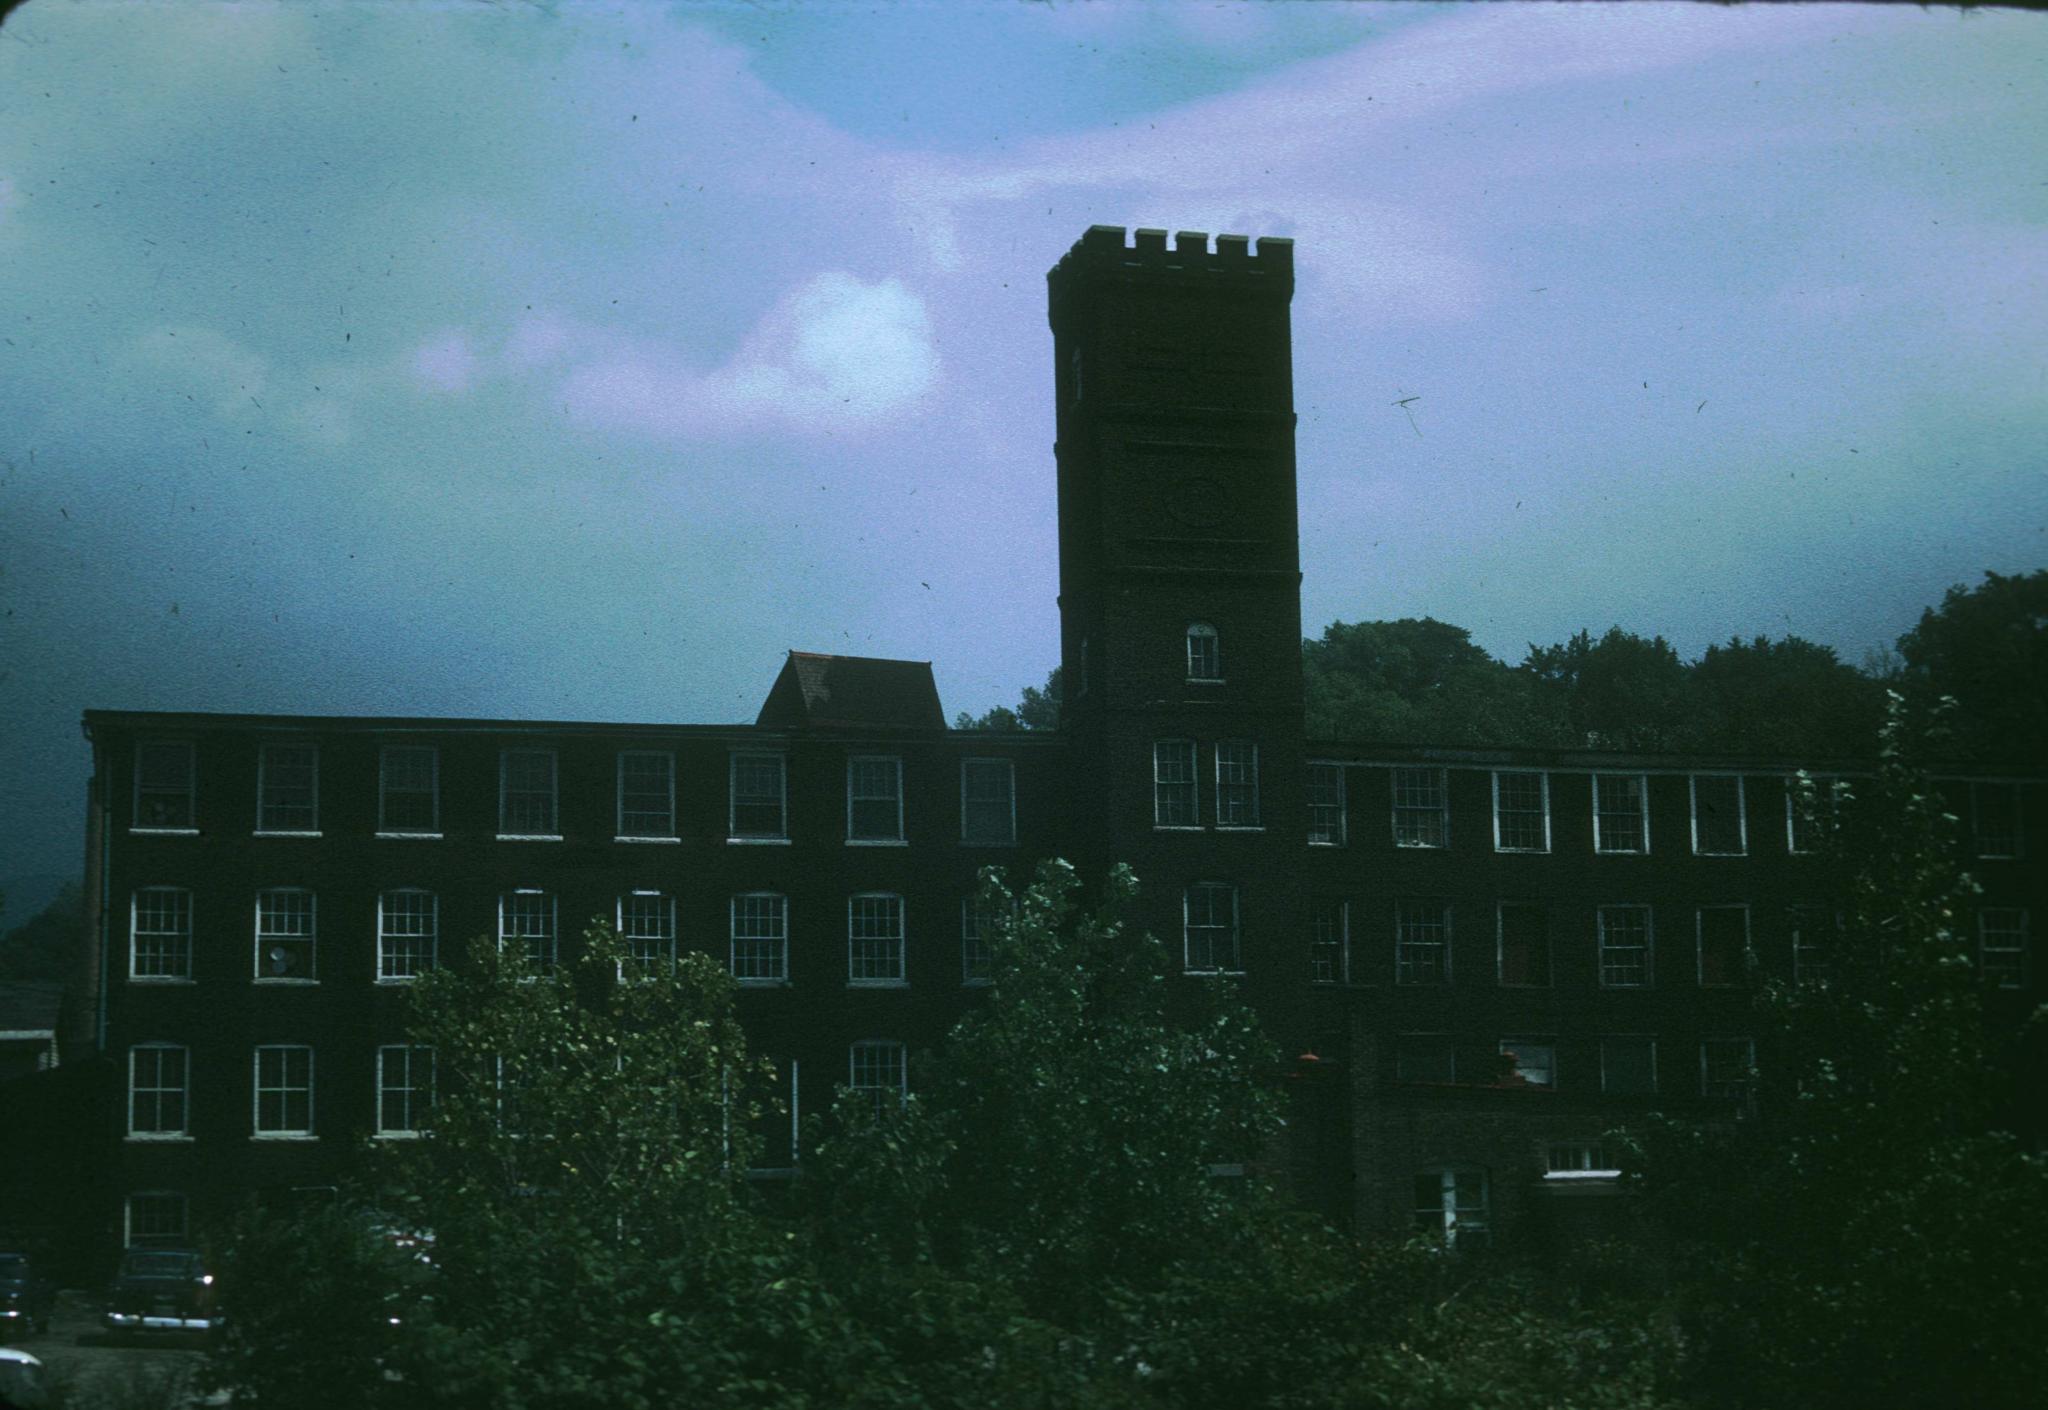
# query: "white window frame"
[[548, 962], [1233, 933], [392, 944], [265, 938], [2011, 970], [1748, 1062], [264, 825], [780, 837], [285, 1088], [1319, 833], [975, 944], [1578, 1160], [188, 828], [1405, 816], [1500, 945], [418, 1099], [876, 960], [666, 919], [130, 1234], [777, 956], [1518, 1045], [1008, 769], [1238, 791], [1203, 631], [1339, 945], [1542, 777], [506, 832], [625, 833], [1406, 968], [157, 1131], [1692, 793], [892, 838], [1649, 946], [180, 940], [1607, 1087], [1827, 790], [1458, 1225], [2016, 847], [1805, 917], [896, 1055], [1600, 846], [1700, 944], [433, 790], [794, 1148], [1192, 783]]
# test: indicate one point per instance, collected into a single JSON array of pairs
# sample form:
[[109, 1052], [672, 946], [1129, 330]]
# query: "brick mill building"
[[1486, 957]]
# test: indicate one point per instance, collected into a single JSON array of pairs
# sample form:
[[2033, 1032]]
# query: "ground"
[[97, 1373]]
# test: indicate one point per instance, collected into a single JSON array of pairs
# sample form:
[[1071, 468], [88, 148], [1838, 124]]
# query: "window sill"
[[977, 983], [163, 831], [394, 980], [529, 837], [285, 832], [877, 842], [763, 983], [410, 836], [165, 1138], [1240, 827], [1422, 846], [757, 841], [1521, 851], [1210, 973], [1736, 855], [396, 1136], [284, 981], [1206, 680], [1566, 1177], [1178, 827], [161, 979], [1333, 846], [626, 837], [284, 1136], [1621, 851], [982, 842], [878, 983]]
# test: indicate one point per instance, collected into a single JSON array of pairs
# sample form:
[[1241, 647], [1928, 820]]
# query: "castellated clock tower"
[[1180, 590]]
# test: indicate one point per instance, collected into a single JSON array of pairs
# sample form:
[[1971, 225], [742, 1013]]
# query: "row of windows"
[[409, 794], [1627, 1064], [287, 934], [1625, 938], [1718, 815], [281, 1095]]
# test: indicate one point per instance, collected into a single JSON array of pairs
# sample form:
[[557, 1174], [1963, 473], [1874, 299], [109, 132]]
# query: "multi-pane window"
[[1723, 938], [647, 927], [1425, 1057], [160, 946], [284, 1090], [1521, 811], [876, 1067], [1621, 820], [526, 926], [287, 929], [155, 1217], [1628, 1066], [1524, 943], [526, 793], [874, 939], [1452, 1203], [1422, 942], [1577, 1157], [1209, 928], [1995, 819], [405, 1089], [1719, 828], [778, 1118], [2002, 945], [408, 933], [1815, 931], [1329, 944], [1174, 801], [1205, 653], [1326, 805], [1421, 808], [758, 797], [647, 793], [163, 786], [1726, 1066], [760, 937], [988, 802], [1237, 783], [1531, 1061], [874, 799], [977, 942], [1811, 808], [288, 788], [408, 788], [1624, 946], [159, 1076]]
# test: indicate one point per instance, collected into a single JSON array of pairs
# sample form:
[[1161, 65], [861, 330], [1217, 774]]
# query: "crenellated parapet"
[[1109, 253]]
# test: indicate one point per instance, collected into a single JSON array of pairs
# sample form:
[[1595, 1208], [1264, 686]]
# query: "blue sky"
[[565, 361]]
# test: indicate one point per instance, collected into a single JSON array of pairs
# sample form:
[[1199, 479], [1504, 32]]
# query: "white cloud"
[[445, 361], [204, 361]]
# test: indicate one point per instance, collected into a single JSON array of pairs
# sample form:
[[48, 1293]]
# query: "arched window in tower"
[[1205, 654]]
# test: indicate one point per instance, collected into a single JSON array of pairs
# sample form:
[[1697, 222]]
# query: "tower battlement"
[[1105, 253]]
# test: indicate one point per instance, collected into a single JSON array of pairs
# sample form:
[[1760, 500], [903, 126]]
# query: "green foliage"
[[1620, 692], [1037, 710], [44, 947], [1987, 647], [1421, 681]]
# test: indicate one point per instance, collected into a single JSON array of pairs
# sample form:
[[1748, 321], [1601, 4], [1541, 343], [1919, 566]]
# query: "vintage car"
[[160, 1290], [24, 1383], [25, 1295]]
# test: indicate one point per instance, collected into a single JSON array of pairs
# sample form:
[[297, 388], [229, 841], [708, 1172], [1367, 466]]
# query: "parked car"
[[160, 1290], [25, 1295], [24, 1384]]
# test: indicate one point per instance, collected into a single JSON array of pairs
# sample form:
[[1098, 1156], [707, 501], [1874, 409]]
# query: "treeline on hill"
[[1421, 681]]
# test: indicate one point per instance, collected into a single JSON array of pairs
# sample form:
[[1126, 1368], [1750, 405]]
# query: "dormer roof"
[[815, 691]]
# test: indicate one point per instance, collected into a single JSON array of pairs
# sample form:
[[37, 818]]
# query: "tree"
[[1620, 692], [1418, 681], [1784, 697], [43, 946], [1036, 710], [1987, 647]]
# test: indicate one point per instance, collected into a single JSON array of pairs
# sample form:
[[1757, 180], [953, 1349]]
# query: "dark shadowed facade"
[[1483, 958]]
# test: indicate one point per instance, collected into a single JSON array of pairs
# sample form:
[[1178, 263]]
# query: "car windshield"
[[160, 1265]]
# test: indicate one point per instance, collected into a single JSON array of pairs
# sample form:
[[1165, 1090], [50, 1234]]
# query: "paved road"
[[153, 1375]]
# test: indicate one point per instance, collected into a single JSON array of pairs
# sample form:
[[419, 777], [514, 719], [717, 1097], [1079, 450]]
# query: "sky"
[[562, 361]]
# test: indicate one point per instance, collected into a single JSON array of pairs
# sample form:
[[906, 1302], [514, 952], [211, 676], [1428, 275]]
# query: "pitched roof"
[[29, 1006], [816, 691]]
